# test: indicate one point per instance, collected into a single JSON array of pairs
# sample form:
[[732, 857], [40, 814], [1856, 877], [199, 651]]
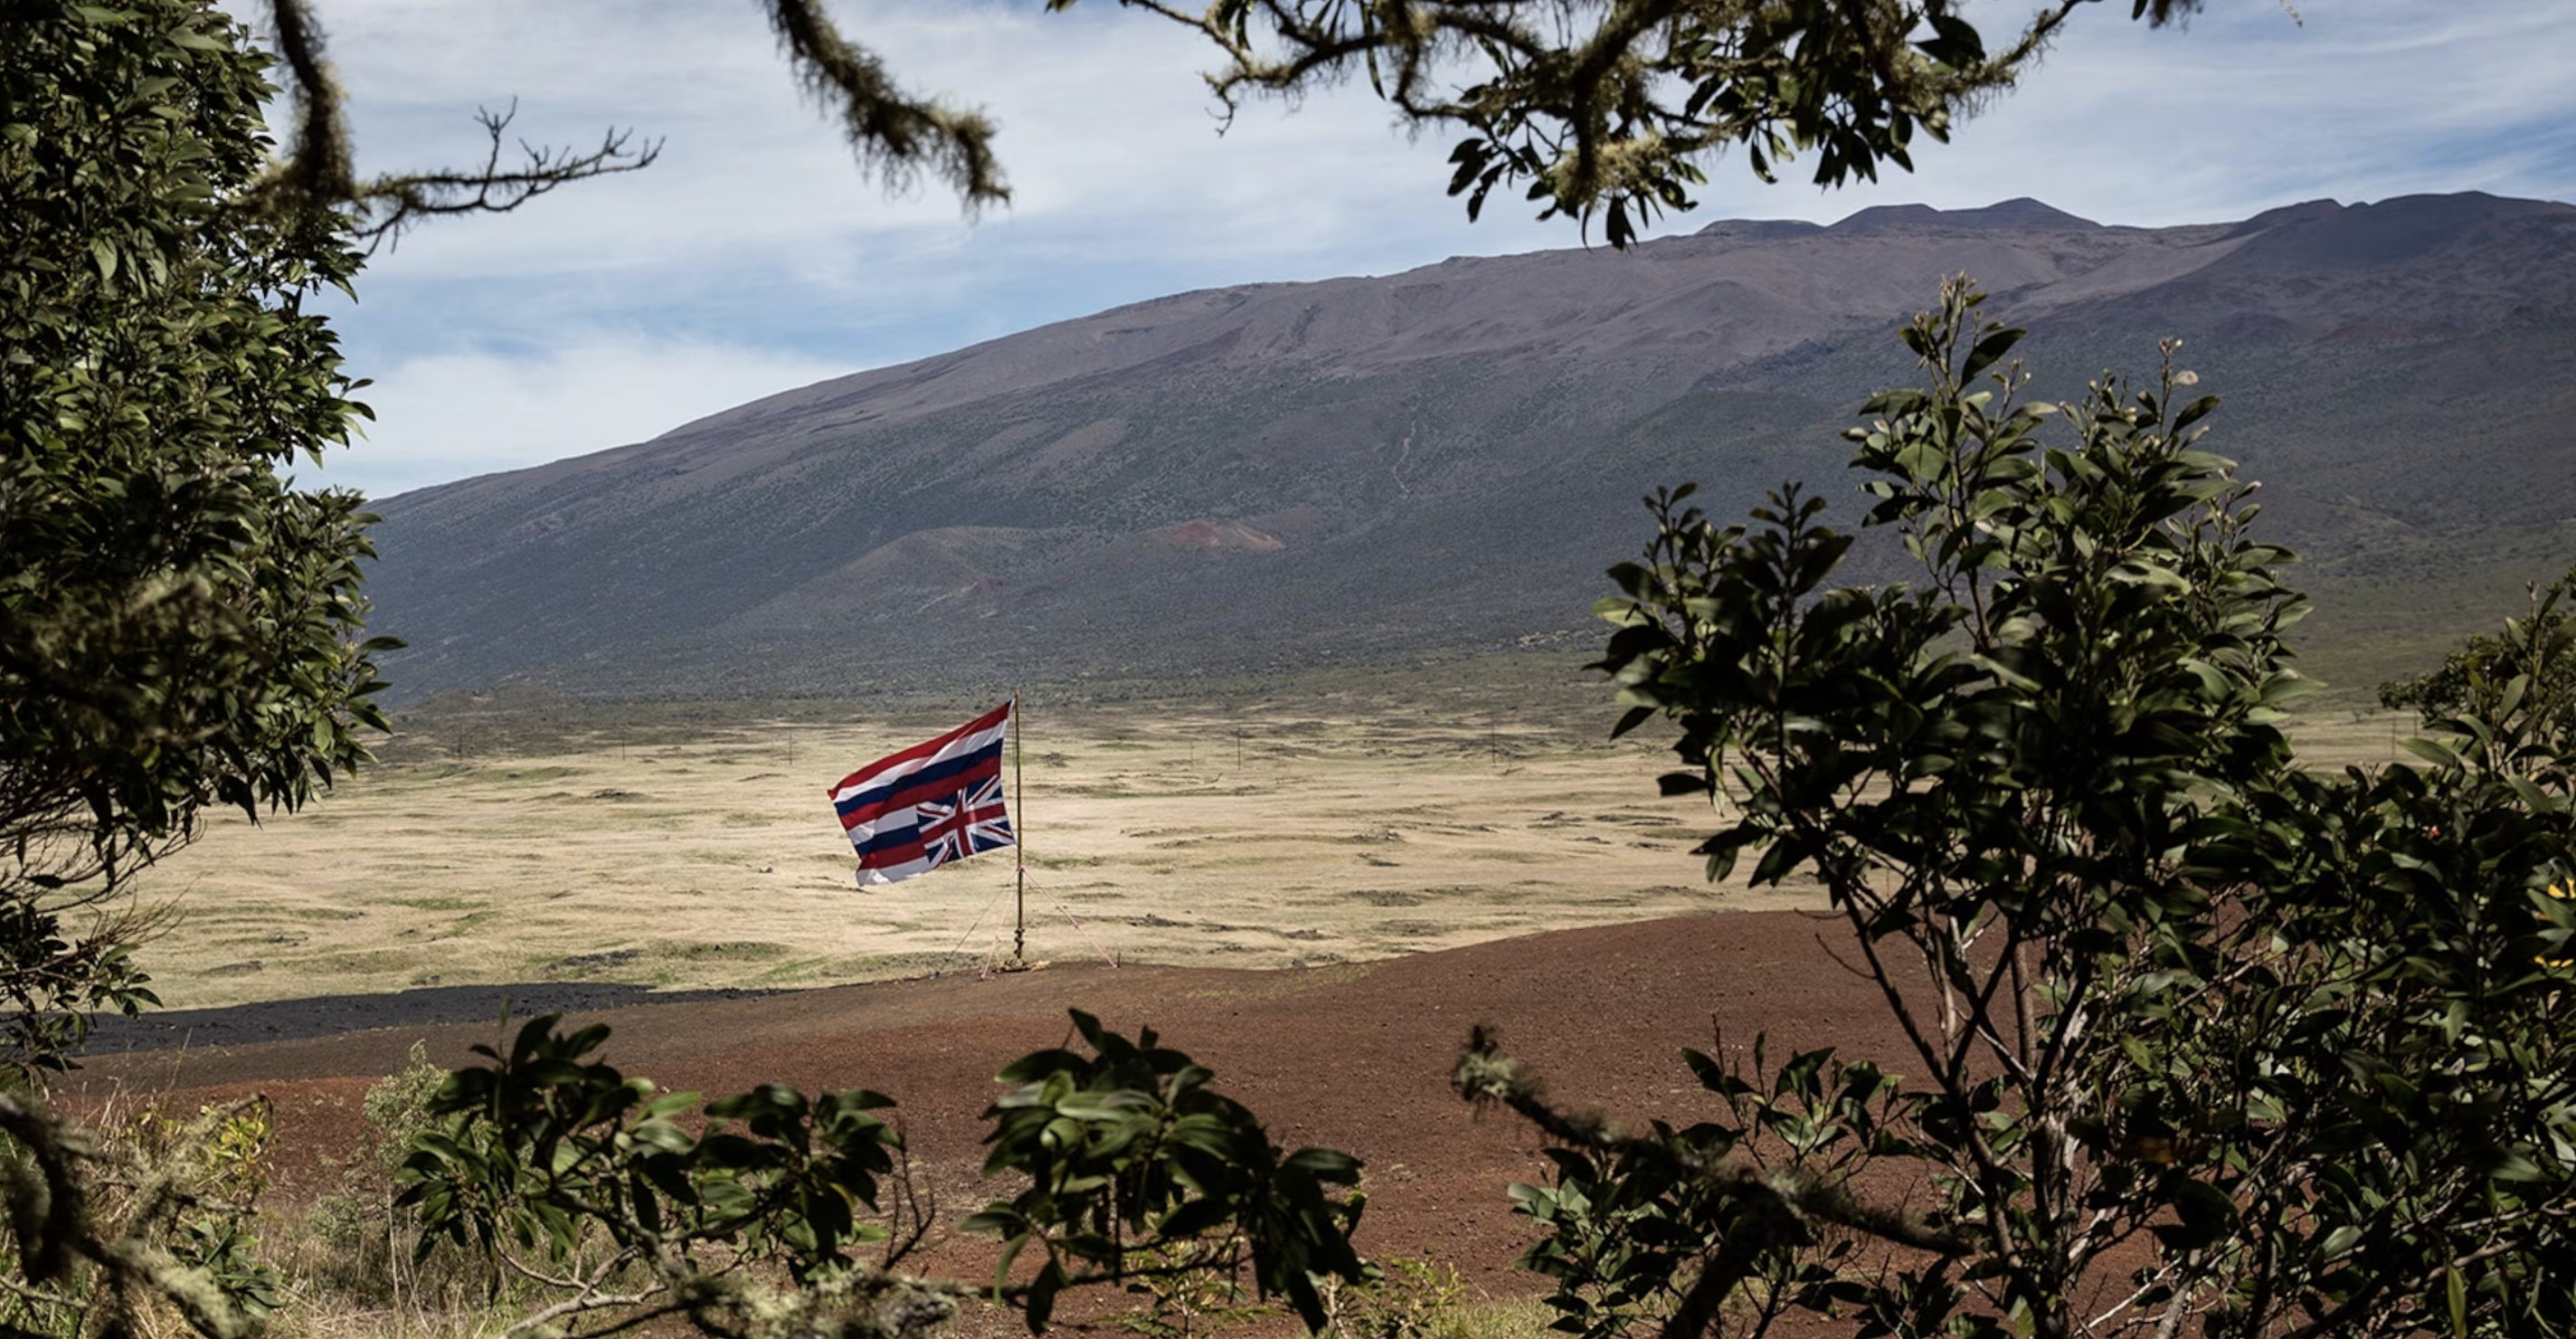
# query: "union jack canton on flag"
[[914, 811]]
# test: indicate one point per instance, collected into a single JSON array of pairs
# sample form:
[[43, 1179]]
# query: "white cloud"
[[447, 415]]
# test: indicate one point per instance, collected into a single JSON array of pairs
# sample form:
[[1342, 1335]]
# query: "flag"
[[932, 803]]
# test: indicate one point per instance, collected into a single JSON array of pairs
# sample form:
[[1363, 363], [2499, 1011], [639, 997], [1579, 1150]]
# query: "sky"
[[755, 257]]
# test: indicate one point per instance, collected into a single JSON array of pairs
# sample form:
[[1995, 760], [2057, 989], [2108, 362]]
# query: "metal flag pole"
[[1019, 846]]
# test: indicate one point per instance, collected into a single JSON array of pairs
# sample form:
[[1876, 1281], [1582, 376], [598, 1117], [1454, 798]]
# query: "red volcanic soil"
[[1206, 534], [1356, 1057]]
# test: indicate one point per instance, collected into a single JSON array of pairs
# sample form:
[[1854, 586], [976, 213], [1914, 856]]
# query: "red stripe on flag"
[[919, 752]]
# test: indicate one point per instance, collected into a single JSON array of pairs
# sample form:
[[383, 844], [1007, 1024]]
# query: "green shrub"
[[158, 1226]]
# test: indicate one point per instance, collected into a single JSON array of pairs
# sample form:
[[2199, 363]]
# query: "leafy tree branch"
[[2300, 1038], [180, 625], [1608, 110], [588, 1183]]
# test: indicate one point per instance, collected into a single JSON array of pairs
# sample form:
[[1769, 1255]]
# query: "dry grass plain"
[[708, 856], [704, 855]]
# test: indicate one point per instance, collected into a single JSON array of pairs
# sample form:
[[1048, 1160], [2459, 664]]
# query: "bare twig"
[[894, 135]]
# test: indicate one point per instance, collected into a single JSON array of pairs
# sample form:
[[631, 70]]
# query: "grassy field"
[[706, 855], [696, 849]]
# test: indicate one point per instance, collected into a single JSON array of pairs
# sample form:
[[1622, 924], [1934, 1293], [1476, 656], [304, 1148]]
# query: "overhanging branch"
[[894, 135]]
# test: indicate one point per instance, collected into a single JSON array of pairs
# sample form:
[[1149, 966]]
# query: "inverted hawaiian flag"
[[932, 803]]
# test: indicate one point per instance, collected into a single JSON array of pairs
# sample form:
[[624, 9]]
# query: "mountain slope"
[[1291, 474]]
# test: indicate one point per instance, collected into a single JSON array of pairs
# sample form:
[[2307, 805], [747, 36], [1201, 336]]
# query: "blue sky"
[[754, 257]]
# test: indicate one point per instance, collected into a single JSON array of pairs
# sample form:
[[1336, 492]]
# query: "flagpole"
[[1019, 848]]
